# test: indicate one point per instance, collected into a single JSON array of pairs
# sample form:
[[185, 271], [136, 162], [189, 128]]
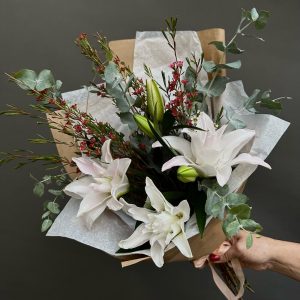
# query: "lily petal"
[[89, 166], [156, 197], [223, 175], [92, 200], [234, 141], [114, 204], [179, 144], [157, 254], [138, 213], [92, 215], [138, 238], [79, 188], [183, 208], [181, 242], [246, 158], [175, 162], [106, 155]]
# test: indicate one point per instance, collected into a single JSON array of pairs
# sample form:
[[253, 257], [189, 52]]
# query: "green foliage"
[[46, 224], [116, 87], [39, 189], [229, 207], [197, 198], [29, 80], [215, 87], [263, 99], [249, 240]]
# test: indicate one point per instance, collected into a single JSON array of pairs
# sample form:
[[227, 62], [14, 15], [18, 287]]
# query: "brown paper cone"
[[213, 235], [64, 150]]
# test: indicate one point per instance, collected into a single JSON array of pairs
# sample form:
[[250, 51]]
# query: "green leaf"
[[237, 124], [55, 192], [58, 84], [249, 241], [39, 189], [251, 225], [45, 80], [250, 103], [233, 48], [236, 199], [209, 66], [127, 118], [215, 88], [167, 122], [271, 104], [215, 205], [26, 79], [116, 88], [233, 65], [231, 227], [46, 225], [198, 199], [254, 14], [262, 20], [53, 207], [46, 214], [47, 179], [241, 211], [190, 76], [219, 45]]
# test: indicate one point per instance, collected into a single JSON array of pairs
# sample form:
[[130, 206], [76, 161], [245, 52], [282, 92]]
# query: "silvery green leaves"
[[117, 88], [214, 87], [231, 208], [51, 208], [29, 80], [260, 18], [210, 66], [264, 100]]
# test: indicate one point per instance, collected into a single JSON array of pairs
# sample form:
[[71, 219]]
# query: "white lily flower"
[[161, 226], [105, 184], [211, 152]]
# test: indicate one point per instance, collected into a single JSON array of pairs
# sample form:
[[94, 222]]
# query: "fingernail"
[[214, 258]]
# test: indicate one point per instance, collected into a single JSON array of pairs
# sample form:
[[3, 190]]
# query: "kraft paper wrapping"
[[111, 228]]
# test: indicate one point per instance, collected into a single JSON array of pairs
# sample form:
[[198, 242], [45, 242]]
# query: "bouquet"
[[156, 149]]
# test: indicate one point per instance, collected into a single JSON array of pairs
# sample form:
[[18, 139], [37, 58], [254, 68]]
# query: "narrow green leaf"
[[219, 45], [233, 65], [46, 225], [249, 241], [55, 192], [46, 214]]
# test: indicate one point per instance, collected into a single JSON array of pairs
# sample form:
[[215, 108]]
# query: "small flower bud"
[[186, 174], [155, 101], [142, 123]]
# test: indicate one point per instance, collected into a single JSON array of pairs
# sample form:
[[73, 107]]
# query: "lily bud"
[[186, 174], [155, 101], [142, 123]]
